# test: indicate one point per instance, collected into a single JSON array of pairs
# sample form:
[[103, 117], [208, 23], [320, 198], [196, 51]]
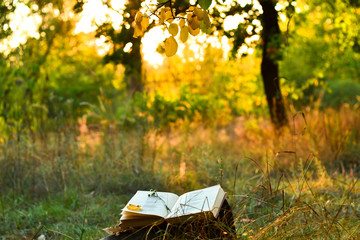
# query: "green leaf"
[[205, 4], [203, 28], [162, 1]]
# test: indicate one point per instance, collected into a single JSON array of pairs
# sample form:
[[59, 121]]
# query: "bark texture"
[[269, 66]]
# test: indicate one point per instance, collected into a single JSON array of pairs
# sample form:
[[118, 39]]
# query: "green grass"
[[300, 184], [263, 208], [76, 214]]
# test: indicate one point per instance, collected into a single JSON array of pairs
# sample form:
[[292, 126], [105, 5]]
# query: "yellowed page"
[[150, 205], [203, 200]]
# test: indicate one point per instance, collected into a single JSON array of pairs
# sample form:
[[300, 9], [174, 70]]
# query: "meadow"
[[92, 111], [298, 183]]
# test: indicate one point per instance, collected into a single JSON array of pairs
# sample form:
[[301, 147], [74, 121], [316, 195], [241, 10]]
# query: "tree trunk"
[[133, 65], [269, 66], [133, 72]]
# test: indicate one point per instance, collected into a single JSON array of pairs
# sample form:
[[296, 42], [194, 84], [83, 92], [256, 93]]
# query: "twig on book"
[[185, 206], [205, 200], [155, 194]]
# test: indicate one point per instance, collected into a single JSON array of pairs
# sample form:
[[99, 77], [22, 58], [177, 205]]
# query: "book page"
[[158, 205], [197, 201]]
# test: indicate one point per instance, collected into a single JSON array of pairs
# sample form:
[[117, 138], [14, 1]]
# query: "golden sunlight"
[[150, 42], [25, 24], [95, 13]]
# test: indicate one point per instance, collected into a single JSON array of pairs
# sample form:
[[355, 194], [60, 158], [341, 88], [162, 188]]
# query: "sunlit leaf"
[[199, 13], [160, 49], [169, 16], [138, 17], [133, 207], [206, 20], [162, 16], [144, 23], [171, 46], [138, 31], [184, 34], [203, 28], [194, 22], [182, 23], [173, 29], [205, 4], [194, 32]]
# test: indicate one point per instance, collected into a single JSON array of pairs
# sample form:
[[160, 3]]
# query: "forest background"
[[89, 115]]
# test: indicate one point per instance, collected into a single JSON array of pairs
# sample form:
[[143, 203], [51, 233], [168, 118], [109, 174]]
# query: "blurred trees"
[[46, 81], [322, 58], [6, 7], [271, 42], [57, 76], [211, 90], [22, 83], [126, 50], [271, 45], [131, 59]]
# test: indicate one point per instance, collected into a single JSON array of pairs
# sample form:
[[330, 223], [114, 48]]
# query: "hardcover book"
[[149, 207]]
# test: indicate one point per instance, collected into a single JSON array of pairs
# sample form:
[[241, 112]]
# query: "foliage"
[[341, 92], [6, 7], [50, 95], [38, 80], [74, 144], [192, 19], [224, 86], [326, 55], [198, 18], [189, 20], [131, 59]]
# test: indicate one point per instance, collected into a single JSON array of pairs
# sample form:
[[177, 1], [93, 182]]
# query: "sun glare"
[[24, 25], [150, 42], [96, 13]]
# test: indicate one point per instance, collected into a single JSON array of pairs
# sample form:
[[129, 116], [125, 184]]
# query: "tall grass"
[[299, 183]]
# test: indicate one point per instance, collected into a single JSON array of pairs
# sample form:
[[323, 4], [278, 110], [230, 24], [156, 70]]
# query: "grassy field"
[[300, 183]]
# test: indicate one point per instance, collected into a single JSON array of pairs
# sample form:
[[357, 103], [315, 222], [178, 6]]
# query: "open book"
[[147, 207]]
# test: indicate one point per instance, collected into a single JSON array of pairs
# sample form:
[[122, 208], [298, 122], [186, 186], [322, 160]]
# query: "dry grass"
[[299, 183]]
